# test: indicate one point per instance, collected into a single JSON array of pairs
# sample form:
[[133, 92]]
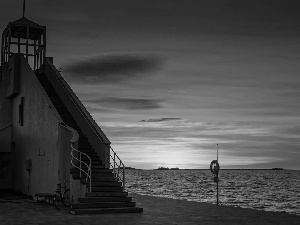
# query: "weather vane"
[[23, 8]]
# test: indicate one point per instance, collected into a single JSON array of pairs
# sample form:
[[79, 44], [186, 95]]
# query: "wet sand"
[[157, 210]]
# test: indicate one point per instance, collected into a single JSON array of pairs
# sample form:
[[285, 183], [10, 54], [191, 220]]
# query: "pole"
[[217, 189], [217, 152], [23, 8], [218, 175]]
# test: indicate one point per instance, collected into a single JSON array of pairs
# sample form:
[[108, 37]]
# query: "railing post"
[[79, 158], [80, 164], [119, 165], [90, 175], [115, 164], [123, 178]]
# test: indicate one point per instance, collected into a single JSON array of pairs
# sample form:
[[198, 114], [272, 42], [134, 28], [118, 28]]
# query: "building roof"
[[19, 27], [25, 23]]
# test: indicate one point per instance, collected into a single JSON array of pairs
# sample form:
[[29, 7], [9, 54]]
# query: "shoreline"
[[220, 169], [213, 203]]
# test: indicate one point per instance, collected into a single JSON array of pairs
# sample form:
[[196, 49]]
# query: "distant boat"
[[163, 168]]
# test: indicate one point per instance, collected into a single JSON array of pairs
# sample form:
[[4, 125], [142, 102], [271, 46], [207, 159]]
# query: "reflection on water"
[[269, 190]]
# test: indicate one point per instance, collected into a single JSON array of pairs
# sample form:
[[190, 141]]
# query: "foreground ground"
[[19, 210]]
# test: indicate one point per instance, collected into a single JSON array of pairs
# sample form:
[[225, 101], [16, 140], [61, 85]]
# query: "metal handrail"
[[118, 167], [89, 166], [73, 140]]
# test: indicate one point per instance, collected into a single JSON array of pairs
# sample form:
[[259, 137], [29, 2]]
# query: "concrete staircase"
[[107, 195]]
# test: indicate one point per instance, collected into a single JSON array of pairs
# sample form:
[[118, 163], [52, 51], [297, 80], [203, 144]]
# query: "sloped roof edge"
[[26, 23]]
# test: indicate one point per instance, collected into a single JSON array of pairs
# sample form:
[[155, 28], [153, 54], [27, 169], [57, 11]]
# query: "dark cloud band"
[[128, 103], [117, 68], [161, 120]]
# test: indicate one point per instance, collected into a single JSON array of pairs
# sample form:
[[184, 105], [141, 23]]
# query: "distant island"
[[176, 168], [163, 168], [130, 168], [167, 168]]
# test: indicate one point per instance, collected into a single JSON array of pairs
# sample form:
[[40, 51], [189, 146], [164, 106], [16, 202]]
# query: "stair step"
[[103, 171], [104, 199], [103, 176], [83, 139], [105, 184], [95, 176], [76, 175], [94, 166], [106, 194], [100, 171], [86, 150], [106, 210], [91, 154], [93, 157], [103, 205], [94, 162], [107, 189], [85, 147], [101, 179]]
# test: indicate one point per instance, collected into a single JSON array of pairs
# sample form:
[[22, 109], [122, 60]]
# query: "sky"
[[168, 80]]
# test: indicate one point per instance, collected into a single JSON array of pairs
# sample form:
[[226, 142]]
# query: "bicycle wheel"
[[57, 200], [66, 198]]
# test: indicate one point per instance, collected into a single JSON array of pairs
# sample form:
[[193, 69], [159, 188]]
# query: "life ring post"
[[214, 168]]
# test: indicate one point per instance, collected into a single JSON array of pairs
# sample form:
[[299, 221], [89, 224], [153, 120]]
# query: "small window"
[[21, 112]]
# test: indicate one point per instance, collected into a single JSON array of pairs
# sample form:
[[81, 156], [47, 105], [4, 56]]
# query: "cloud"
[[112, 68], [160, 120], [127, 103]]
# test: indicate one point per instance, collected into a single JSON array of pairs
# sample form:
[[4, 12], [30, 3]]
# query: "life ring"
[[214, 167]]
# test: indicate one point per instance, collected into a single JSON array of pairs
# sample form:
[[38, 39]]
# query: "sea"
[[269, 190]]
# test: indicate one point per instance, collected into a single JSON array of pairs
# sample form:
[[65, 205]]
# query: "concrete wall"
[[5, 170], [5, 130], [40, 139], [64, 153], [5, 139], [5, 104]]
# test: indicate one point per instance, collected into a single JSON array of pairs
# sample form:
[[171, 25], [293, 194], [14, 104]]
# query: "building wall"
[[40, 139], [5, 157], [5, 130], [5, 104]]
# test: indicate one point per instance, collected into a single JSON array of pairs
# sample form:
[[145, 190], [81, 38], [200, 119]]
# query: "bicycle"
[[60, 197]]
